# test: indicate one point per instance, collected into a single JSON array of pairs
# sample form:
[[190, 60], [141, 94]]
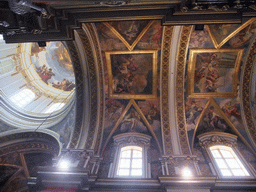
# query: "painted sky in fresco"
[[53, 65]]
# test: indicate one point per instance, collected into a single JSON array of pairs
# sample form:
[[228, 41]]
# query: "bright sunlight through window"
[[23, 97], [54, 107], [228, 162], [130, 161]]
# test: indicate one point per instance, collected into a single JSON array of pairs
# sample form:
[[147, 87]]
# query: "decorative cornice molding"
[[196, 183], [217, 138], [27, 136], [126, 139]]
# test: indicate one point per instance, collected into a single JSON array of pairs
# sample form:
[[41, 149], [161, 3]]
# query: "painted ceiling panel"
[[225, 61], [131, 55]]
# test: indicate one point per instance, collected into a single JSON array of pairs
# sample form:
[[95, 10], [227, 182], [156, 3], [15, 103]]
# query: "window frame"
[[212, 139], [231, 150], [127, 140], [132, 148]]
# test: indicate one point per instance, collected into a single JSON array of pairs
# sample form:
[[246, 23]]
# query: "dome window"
[[54, 107], [6, 65], [23, 97]]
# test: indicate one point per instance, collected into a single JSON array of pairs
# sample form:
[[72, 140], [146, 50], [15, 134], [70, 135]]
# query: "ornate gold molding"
[[231, 35], [93, 73], [166, 49], [79, 93], [130, 47], [246, 93], [180, 76], [100, 71], [192, 67], [217, 138]]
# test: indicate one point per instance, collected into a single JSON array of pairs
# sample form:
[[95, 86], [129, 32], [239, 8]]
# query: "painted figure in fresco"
[[200, 39], [41, 69], [129, 29], [127, 78], [243, 36], [221, 30], [132, 123], [44, 73], [231, 109], [64, 85], [152, 38], [113, 109], [193, 113], [207, 75], [213, 121]]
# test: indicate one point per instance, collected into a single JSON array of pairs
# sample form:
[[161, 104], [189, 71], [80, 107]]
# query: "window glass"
[[54, 107], [130, 162], [6, 65], [23, 97], [228, 162]]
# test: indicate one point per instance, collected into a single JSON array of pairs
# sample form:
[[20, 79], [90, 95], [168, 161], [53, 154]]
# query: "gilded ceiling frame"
[[131, 95], [192, 67]]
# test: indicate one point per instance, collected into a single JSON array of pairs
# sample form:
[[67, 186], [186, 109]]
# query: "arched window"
[[227, 161], [130, 161], [225, 158], [23, 97], [130, 158]]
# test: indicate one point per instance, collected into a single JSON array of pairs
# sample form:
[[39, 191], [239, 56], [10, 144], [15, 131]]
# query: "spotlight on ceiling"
[[186, 172], [64, 164]]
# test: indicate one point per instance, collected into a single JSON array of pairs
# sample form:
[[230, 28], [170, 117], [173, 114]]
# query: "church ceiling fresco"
[[140, 117], [222, 33], [213, 73], [131, 52], [132, 74], [53, 65], [223, 48], [129, 32], [200, 39], [212, 120]]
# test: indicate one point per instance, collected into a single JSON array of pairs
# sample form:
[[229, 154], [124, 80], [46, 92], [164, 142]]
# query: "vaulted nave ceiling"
[[137, 81], [172, 83]]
